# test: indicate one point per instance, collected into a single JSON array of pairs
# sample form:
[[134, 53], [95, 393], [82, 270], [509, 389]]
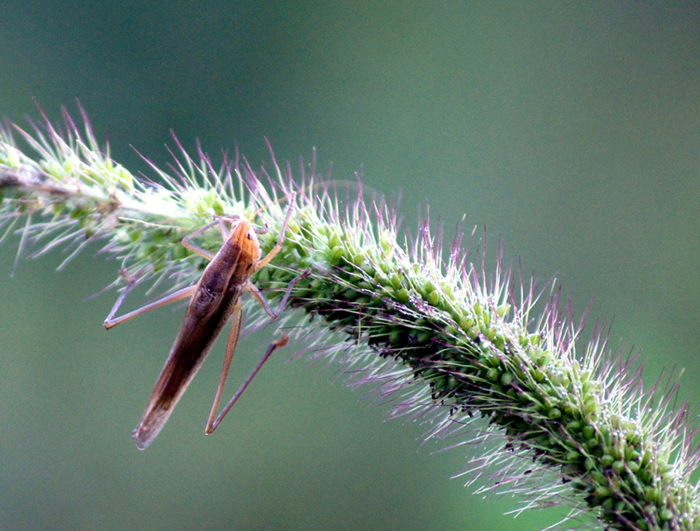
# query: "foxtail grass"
[[435, 332]]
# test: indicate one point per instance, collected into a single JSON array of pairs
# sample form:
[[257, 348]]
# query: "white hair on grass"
[[443, 338]]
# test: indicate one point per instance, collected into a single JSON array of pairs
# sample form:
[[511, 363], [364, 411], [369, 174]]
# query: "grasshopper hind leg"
[[213, 421]]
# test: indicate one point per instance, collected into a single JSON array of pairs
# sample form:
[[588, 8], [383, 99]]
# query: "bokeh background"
[[571, 129]]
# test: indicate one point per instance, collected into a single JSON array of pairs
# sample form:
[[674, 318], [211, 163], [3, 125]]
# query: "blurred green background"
[[572, 129]]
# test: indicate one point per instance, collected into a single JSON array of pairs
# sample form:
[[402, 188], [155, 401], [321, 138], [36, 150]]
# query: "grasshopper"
[[213, 301]]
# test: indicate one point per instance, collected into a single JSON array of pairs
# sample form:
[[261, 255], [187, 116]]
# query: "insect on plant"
[[213, 300]]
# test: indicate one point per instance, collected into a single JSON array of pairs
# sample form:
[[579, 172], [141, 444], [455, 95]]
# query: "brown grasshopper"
[[213, 300]]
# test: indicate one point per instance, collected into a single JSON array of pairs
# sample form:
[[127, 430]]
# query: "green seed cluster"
[[469, 344], [477, 359], [79, 193]]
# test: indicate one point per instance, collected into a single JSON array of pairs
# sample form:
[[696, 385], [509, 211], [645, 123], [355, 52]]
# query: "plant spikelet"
[[434, 332]]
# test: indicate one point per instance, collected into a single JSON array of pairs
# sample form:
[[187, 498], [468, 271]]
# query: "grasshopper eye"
[[250, 236]]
